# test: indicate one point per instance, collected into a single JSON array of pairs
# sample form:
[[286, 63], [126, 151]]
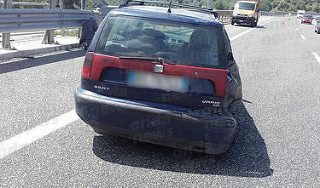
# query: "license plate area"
[[149, 80]]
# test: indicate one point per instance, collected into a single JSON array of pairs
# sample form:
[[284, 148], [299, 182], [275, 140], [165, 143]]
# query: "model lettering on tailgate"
[[214, 103]]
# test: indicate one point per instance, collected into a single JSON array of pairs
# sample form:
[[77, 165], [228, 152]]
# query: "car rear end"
[[307, 19], [143, 79]]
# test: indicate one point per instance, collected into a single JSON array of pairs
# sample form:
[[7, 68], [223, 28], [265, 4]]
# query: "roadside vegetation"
[[266, 5]]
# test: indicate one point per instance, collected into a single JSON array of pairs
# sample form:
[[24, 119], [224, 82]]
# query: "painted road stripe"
[[303, 37], [315, 54], [19, 141], [297, 29], [245, 32], [239, 35]]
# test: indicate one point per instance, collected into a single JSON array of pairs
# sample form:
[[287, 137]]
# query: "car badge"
[[158, 68]]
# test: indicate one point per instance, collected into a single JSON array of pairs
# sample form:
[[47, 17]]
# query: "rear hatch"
[[158, 61]]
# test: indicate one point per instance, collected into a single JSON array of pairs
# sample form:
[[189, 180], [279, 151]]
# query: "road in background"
[[276, 146]]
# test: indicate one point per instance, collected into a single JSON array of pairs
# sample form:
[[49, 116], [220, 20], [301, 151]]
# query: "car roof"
[[252, 2], [161, 13]]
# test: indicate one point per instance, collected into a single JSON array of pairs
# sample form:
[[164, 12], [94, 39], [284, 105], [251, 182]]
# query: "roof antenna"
[[169, 10]]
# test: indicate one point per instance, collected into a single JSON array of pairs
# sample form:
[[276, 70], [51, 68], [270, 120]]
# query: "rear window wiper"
[[154, 59]]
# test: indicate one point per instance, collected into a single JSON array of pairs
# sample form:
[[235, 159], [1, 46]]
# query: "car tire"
[[318, 31], [232, 23], [254, 24]]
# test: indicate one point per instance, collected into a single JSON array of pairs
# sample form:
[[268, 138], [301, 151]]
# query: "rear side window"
[[184, 44]]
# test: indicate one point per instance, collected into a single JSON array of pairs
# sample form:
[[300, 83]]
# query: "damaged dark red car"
[[161, 75], [307, 18]]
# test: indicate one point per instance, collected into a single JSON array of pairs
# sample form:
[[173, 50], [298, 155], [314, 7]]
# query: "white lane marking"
[[239, 35], [25, 138], [297, 29], [303, 37], [315, 54], [245, 32]]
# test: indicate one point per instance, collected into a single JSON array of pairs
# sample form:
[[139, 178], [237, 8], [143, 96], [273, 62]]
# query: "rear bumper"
[[243, 19], [156, 123], [306, 21]]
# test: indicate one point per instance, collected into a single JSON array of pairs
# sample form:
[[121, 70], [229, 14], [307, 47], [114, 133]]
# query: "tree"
[[69, 4], [283, 6], [316, 9], [265, 5]]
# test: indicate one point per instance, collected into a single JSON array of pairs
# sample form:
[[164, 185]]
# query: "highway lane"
[[235, 30], [281, 80], [276, 145], [30, 92]]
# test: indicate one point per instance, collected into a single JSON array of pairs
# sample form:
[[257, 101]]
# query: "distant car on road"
[[246, 12], [161, 75], [300, 13], [307, 18]]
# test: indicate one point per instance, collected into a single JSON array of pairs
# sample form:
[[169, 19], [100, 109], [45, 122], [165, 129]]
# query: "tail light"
[[87, 65]]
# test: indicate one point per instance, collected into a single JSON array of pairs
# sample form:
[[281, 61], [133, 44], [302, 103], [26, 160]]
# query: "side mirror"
[[232, 8]]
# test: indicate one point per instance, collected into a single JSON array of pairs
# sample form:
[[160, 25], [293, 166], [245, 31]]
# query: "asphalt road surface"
[[44, 144]]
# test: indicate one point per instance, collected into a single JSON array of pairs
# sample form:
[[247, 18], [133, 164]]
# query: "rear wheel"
[[232, 23], [318, 32]]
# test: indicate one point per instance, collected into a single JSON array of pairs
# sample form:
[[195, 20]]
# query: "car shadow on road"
[[247, 158], [247, 25], [30, 62]]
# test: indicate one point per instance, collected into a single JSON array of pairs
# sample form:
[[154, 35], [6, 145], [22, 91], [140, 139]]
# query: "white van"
[[300, 13]]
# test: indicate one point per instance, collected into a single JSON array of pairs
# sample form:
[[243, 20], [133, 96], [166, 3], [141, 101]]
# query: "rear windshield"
[[307, 16], [184, 44], [246, 6]]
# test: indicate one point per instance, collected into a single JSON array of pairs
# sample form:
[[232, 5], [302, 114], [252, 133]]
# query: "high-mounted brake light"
[[87, 65]]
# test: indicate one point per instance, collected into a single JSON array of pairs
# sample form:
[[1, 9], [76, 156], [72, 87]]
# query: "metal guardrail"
[[13, 20], [225, 15], [105, 10], [284, 13]]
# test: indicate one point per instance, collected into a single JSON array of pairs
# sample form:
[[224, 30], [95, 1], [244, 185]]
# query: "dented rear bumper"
[[156, 123]]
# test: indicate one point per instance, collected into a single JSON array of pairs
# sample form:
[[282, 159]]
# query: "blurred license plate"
[[157, 81]]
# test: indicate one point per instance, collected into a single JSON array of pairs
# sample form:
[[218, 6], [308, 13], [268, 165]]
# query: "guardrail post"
[[6, 36], [209, 4], [48, 37], [84, 4], [61, 7]]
